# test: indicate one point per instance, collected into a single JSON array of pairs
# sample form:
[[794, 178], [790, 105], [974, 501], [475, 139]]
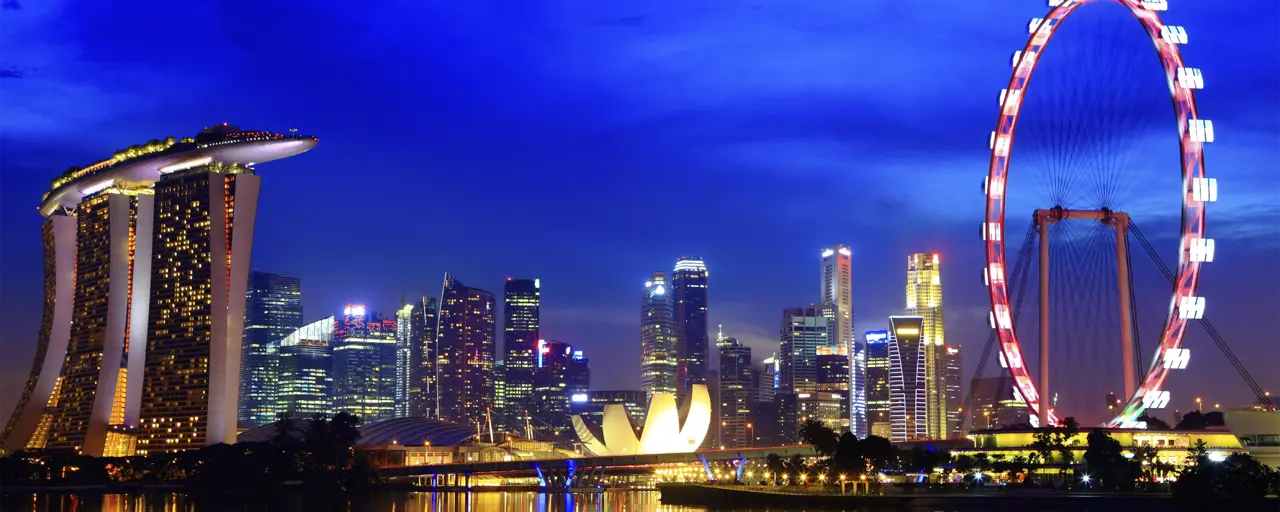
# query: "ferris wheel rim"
[[1194, 202]]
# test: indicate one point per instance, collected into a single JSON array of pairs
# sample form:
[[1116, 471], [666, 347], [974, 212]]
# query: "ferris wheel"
[[1144, 390]]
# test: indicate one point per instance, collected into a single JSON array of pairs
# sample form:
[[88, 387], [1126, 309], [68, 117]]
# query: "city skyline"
[[590, 301]]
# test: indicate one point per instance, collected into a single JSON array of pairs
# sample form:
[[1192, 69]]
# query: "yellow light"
[[908, 330]]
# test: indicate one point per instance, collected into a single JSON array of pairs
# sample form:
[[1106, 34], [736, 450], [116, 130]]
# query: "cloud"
[[11, 73], [12, 5]]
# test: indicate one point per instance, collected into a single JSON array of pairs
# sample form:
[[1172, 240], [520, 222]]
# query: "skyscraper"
[[304, 385], [273, 310], [689, 282], [121, 235], [658, 361], [736, 392], [199, 272], [837, 304], [364, 366], [422, 357], [803, 331], [465, 353], [907, 393], [521, 304], [952, 375], [405, 344], [833, 380], [559, 373], [924, 299], [878, 371]]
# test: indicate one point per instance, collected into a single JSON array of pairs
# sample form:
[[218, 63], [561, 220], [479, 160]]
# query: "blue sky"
[[589, 144]]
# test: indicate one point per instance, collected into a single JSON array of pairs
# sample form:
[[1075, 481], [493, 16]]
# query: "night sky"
[[591, 143]]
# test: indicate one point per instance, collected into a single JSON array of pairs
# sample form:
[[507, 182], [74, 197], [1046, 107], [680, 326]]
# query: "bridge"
[[565, 472]]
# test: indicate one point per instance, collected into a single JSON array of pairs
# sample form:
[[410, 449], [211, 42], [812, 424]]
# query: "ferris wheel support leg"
[[1043, 402], [1121, 224]]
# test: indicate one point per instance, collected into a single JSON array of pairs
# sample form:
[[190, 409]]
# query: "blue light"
[[577, 355], [874, 337]]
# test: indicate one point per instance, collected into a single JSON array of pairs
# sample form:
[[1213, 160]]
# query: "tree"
[[1239, 478], [848, 457], [1194, 420], [823, 439], [1106, 462], [879, 453], [1154, 423], [775, 466]]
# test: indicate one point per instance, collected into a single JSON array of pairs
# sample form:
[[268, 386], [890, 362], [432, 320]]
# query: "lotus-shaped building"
[[663, 431]]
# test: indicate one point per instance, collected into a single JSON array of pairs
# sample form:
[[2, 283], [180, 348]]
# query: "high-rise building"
[[878, 370], [803, 331], [304, 360], [658, 361], [995, 405], [422, 357], [273, 310], [577, 377], [951, 378], [837, 305], [736, 393], [693, 341], [500, 395], [521, 302], [907, 393], [465, 353], [924, 299], [833, 379], [141, 254], [404, 359], [364, 366], [768, 378], [559, 373]]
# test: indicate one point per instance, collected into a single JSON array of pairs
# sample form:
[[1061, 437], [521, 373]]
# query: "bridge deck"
[[611, 461]]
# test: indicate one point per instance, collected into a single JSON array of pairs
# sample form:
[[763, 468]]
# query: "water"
[[628, 501]]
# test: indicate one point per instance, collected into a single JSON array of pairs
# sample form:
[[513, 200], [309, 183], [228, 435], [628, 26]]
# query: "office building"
[[364, 366], [423, 321], [803, 331], [837, 305], [878, 371], [768, 378], [833, 379], [559, 373], [273, 310], [120, 236], [466, 349], [404, 366], [658, 361], [820, 406], [304, 362], [907, 391], [951, 378], [521, 301], [693, 341], [924, 299], [736, 393]]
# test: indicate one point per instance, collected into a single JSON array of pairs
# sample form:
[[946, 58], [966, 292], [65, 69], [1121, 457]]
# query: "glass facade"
[[803, 331], [465, 355], [693, 341], [736, 393], [364, 367], [304, 359], [422, 357], [907, 392], [837, 302], [272, 310], [658, 360], [878, 402], [924, 299], [521, 301]]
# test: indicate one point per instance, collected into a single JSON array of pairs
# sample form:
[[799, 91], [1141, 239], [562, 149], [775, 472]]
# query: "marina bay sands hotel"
[[146, 260]]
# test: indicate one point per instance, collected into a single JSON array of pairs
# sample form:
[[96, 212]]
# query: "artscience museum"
[[663, 432]]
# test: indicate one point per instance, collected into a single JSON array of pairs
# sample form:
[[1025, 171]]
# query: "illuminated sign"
[[542, 350], [827, 253], [844, 251], [659, 290], [577, 355], [877, 336], [537, 283], [907, 330], [579, 397]]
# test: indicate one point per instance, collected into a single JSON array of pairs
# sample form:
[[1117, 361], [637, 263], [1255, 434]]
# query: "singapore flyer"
[[1091, 188]]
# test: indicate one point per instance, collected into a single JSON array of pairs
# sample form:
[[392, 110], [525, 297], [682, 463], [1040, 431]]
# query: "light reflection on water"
[[628, 501]]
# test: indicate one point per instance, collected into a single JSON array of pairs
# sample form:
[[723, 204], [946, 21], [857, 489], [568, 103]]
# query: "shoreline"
[[742, 496]]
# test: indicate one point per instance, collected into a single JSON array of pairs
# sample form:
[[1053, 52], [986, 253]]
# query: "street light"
[[1198, 405], [751, 433]]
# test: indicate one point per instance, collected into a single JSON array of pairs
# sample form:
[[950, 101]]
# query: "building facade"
[[424, 321], [404, 353], [273, 310], [803, 331], [466, 349], [995, 405], [521, 305], [560, 373], [833, 379], [837, 304], [304, 360], [736, 394], [879, 408], [693, 340], [364, 366], [908, 396], [924, 299], [658, 361], [952, 376]]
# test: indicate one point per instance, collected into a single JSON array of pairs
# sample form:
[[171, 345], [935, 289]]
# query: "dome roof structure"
[[414, 431]]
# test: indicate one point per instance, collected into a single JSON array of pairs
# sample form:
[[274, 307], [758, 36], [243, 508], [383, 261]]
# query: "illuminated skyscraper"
[[907, 394], [658, 360], [273, 310], [559, 373], [693, 341], [924, 299], [422, 357], [304, 384], [952, 375], [803, 331], [364, 366], [878, 372], [521, 300], [735, 393], [833, 380], [405, 344], [465, 353], [146, 250], [837, 305]]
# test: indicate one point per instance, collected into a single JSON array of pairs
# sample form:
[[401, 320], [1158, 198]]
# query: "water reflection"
[[630, 501]]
